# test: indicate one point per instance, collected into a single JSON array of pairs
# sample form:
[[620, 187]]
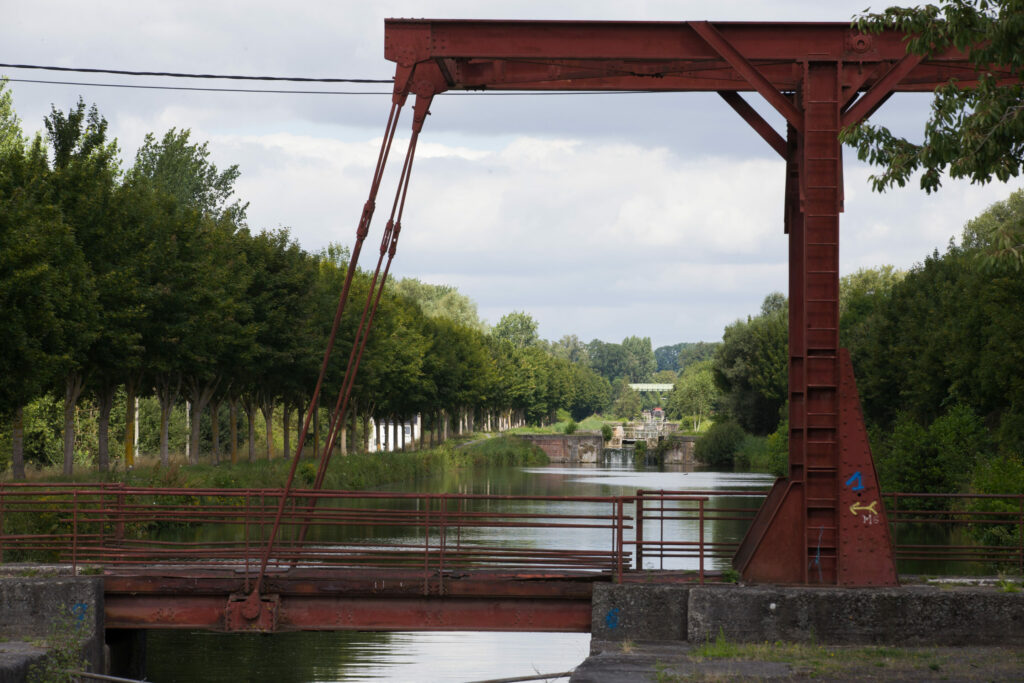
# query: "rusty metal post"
[[700, 551], [426, 545], [2, 506], [1020, 532], [245, 537], [119, 528], [622, 530], [441, 541], [74, 532], [639, 530]]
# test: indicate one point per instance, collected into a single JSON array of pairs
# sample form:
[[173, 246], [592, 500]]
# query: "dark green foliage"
[[65, 643], [938, 458], [974, 131], [750, 367], [503, 450], [607, 432], [570, 426], [679, 356], [718, 446], [591, 392]]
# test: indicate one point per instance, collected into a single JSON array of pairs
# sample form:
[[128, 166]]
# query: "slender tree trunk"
[[394, 431], [343, 436], [249, 406], [72, 390], [420, 423], [285, 419], [233, 412], [267, 408], [165, 415], [355, 434], [366, 433], [376, 435], [201, 394], [106, 404], [300, 422], [167, 394], [215, 429], [18, 444], [129, 426], [316, 430]]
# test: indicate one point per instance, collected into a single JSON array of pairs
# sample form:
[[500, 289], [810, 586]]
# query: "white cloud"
[[603, 216]]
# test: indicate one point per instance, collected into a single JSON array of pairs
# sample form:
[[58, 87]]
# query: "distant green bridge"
[[651, 388]]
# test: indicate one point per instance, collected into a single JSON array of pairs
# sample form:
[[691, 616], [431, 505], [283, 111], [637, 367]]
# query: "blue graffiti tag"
[[80, 610], [611, 620], [856, 480]]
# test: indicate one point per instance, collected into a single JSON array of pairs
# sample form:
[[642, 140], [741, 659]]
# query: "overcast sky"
[[602, 216]]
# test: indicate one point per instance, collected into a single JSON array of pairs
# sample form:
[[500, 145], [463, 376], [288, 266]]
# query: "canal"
[[180, 656]]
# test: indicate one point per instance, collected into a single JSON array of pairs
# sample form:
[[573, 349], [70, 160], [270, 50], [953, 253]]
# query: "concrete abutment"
[[906, 616]]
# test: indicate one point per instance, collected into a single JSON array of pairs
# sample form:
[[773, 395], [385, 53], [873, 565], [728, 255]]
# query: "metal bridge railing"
[[113, 525], [117, 525]]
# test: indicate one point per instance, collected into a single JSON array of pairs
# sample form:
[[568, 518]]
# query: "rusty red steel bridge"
[[188, 558], [824, 523]]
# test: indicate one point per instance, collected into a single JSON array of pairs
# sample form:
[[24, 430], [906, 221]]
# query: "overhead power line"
[[174, 74], [199, 89], [468, 93]]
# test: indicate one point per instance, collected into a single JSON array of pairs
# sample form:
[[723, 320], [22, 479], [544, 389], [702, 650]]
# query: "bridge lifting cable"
[[389, 245]]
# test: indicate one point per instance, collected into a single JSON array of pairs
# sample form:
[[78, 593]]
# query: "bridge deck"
[[353, 599]]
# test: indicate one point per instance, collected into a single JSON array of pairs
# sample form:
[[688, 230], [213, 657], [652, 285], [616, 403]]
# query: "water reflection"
[[453, 656], [187, 657]]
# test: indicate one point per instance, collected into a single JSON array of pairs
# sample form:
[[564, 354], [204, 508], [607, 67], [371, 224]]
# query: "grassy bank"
[[352, 472]]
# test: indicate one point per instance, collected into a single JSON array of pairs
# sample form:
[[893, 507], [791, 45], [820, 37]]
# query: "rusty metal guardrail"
[[119, 525]]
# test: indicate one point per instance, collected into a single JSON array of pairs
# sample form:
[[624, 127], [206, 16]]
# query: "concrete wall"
[[29, 606], [568, 448], [910, 615], [681, 450]]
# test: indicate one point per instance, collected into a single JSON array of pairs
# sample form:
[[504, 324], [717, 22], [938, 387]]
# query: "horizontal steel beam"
[[337, 613], [421, 39]]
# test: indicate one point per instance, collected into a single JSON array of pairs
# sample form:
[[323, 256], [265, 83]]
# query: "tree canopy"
[[973, 132]]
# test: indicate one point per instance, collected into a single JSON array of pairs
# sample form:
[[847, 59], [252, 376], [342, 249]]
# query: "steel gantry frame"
[[825, 522]]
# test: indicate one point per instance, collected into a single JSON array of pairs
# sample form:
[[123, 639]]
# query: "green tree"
[[43, 274], [518, 328], [571, 349], [642, 364], [862, 295], [440, 301], [627, 403], [695, 352], [695, 394], [973, 132], [611, 361], [717, 447], [591, 392], [751, 364], [183, 169], [83, 178]]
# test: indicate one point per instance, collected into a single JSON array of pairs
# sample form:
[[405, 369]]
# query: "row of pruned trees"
[[148, 279]]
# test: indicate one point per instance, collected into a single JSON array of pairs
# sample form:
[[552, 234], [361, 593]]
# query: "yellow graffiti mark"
[[857, 507]]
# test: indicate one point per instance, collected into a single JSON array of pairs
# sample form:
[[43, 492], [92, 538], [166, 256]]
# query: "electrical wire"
[[174, 74], [469, 93]]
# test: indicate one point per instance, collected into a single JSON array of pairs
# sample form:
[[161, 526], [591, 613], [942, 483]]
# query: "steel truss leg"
[[825, 523]]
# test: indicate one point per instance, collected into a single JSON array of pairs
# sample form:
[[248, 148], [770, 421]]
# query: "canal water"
[[187, 656]]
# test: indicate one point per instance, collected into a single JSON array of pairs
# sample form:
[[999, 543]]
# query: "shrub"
[[570, 426], [935, 459], [607, 432], [717, 447]]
